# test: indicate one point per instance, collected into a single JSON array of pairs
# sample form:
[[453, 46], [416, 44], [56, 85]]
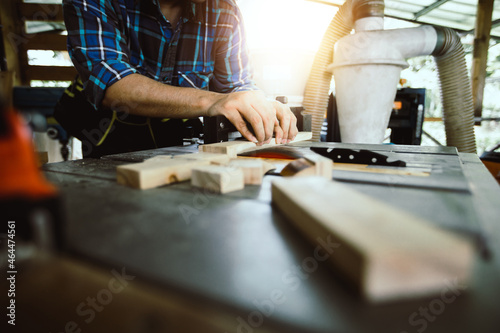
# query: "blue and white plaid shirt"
[[110, 39]]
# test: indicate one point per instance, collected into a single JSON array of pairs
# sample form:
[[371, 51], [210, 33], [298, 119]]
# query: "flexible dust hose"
[[456, 91], [318, 85]]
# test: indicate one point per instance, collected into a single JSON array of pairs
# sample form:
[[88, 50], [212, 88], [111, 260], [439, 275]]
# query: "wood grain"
[[253, 169], [387, 253], [156, 172], [213, 158], [218, 179]]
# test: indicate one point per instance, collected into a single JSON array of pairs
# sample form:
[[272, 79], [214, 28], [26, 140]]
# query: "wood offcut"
[[385, 252]]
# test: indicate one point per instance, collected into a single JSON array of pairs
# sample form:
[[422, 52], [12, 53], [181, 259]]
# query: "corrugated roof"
[[456, 14]]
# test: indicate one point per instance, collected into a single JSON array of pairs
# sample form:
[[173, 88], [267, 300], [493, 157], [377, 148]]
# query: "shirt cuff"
[[103, 75]]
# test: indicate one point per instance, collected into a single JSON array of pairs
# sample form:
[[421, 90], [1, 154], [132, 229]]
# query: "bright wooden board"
[[233, 148], [387, 253], [160, 171], [214, 158]]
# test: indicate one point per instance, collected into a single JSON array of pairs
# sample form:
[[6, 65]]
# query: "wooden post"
[[480, 59], [12, 36]]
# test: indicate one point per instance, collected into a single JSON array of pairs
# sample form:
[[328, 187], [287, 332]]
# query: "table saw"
[[231, 263]]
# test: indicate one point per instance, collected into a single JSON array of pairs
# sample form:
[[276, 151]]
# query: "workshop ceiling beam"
[[480, 55], [430, 8]]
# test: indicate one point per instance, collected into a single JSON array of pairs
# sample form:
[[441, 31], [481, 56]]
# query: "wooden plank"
[[40, 12], [387, 253], [211, 157], [480, 54], [218, 179], [50, 73], [156, 173], [231, 148], [387, 170], [55, 42]]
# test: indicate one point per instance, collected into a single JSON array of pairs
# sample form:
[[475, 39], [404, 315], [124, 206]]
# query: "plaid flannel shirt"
[[110, 39]]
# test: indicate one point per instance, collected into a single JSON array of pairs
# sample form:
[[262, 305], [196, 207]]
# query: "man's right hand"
[[264, 116]]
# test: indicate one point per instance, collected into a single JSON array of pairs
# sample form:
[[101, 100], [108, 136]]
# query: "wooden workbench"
[[211, 263]]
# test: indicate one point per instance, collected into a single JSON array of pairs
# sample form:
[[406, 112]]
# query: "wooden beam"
[[480, 56], [55, 42], [386, 253], [12, 36], [50, 73], [40, 12]]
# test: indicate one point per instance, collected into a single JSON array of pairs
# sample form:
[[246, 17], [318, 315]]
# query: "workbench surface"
[[236, 251]]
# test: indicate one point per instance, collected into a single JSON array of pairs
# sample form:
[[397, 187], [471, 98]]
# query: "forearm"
[[140, 95]]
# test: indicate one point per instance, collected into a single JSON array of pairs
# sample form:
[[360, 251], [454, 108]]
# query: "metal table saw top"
[[236, 250]]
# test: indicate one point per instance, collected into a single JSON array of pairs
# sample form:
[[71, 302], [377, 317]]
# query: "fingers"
[[268, 117], [287, 122], [265, 117], [253, 118]]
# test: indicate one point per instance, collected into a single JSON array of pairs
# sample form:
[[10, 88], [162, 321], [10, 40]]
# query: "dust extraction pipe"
[[367, 67]]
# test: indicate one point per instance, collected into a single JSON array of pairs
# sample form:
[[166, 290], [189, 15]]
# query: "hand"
[[285, 128], [265, 117], [251, 106]]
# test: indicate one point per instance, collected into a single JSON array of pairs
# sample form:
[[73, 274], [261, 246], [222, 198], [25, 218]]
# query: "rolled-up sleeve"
[[97, 45], [232, 71]]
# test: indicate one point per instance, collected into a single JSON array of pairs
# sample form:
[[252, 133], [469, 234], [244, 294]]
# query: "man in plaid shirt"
[[165, 60]]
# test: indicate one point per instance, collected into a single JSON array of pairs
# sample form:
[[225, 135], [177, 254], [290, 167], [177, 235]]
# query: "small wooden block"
[[231, 148], [150, 174], [387, 253], [299, 168], [42, 158], [253, 169], [218, 179], [221, 159], [323, 165], [311, 164]]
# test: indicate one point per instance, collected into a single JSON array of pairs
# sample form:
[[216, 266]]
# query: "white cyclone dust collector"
[[367, 65]]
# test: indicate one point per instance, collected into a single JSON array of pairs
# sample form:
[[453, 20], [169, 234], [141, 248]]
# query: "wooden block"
[[323, 165], [150, 174], [231, 148], [253, 169], [311, 164], [42, 158], [220, 159], [299, 168], [218, 179], [387, 253]]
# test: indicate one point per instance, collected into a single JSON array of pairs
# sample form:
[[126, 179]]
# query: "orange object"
[[494, 168], [19, 173]]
